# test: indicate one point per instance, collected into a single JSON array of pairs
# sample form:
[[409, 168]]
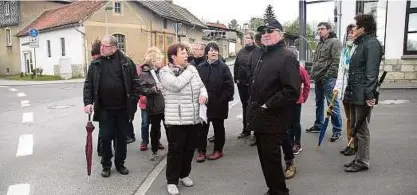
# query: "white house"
[[396, 30], [63, 47]]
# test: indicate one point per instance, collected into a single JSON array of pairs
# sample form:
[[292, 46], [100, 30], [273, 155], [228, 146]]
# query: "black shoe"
[[130, 140], [252, 141], [350, 151], [335, 137], [122, 170], [211, 139], [105, 172], [313, 129], [356, 168], [344, 150], [350, 163], [243, 135], [99, 153]]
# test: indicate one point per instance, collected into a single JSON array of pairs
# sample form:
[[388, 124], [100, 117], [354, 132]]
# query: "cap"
[[270, 23]]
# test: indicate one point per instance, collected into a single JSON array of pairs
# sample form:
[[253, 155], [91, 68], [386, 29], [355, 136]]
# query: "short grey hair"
[[112, 40], [201, 44]]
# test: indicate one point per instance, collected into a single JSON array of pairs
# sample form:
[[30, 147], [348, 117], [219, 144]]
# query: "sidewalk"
[[4, 82], [391, 85]]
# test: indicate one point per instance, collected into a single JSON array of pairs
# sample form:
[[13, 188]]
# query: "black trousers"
[[287, 150], [182, 140], [244, 98], [113, 124], [156, 120], [219, 133], [269, 153]]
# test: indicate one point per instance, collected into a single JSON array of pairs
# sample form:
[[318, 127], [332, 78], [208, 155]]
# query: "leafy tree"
[[254, 23], [234, 25], [269, 13], [294, 28]]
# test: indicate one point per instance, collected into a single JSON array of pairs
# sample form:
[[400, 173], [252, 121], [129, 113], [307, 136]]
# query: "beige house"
[[66, 33], [15, 16]]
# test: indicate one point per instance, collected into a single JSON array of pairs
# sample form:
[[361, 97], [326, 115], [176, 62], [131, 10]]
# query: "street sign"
[[33, 32], [33, 42]]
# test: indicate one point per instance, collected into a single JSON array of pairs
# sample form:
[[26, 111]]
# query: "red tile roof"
[[65, 15], [217, 25]]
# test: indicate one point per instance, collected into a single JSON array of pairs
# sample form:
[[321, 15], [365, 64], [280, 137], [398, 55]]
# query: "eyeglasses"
[[321, 28], [270, 30], [106, 46]]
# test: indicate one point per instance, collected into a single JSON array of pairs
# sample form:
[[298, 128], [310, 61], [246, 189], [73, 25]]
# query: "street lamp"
[[108, 8]]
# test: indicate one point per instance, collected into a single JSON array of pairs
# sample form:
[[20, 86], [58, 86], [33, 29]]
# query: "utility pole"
[[302, 33]]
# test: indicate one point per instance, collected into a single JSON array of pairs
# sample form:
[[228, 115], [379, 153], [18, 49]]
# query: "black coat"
[[363, 70], [242, 68], [218, 81], [198, 61], [130, 81], [276, 84], [155, 100]]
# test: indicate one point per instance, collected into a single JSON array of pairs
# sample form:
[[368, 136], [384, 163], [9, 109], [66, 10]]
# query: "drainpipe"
[[85, 49]]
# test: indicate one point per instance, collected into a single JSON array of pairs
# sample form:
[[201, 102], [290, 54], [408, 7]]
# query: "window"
[[8, 37], [121, 41], [7, 8], [165, 23], [48, 45], [379, 10], [117, 7], [410, 34], [62, 46]]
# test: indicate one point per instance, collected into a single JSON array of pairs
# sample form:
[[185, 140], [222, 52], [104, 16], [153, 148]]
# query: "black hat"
[[270, 23]]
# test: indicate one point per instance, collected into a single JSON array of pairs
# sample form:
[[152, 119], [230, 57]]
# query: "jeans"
[[182, 141], [145, 126], [113, 124], [295, 127], [324, 90]]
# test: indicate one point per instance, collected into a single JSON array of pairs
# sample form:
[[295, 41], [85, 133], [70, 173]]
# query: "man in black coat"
[[112, 86], [361, 86], [218, 81], [242, 72], [274, 92], [198, 52]]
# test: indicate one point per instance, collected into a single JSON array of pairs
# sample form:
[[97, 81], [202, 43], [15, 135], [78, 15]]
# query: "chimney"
[[169, 1]]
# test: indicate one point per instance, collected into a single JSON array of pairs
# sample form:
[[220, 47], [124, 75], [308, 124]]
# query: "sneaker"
[[215, 155], [356, 168], [243, 135], [290, 171], [350, 151], [143, 147], [154, 156], [160, 146], [187, 182], [344, 150], [201, 157], [252, 141], [173, 189], [211, 139], [350, 163], [313, 129], [335, 137], [297, 149]]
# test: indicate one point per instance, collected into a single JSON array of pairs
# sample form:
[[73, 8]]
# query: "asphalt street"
[[42, 140]]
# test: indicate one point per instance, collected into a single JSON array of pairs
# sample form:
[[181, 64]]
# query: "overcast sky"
[[243, 10]]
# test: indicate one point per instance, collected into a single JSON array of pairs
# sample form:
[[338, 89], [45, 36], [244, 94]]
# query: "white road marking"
[[25, 146], [151, 178], [240, 116], [21, 94], [25, 103], [19, 189], [12, 89], [27, 117], [1, 86]]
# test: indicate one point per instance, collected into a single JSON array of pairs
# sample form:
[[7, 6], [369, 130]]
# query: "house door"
[[28, 62]]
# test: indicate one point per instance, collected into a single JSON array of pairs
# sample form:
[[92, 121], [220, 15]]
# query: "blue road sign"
[[33, 32]]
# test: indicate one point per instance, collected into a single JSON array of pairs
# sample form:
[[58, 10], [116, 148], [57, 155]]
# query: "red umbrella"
[[89, 145]]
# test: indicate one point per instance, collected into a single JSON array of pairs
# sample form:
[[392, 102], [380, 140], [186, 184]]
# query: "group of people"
[[272, 87]]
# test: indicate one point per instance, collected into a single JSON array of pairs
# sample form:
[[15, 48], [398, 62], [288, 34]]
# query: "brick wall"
[[400, 70]]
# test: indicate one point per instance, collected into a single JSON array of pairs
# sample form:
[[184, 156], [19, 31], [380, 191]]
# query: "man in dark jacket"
[[218, 81], [242, 72], [198, 52], [275, 90], [361, 86], [324, 72], [112, 87]]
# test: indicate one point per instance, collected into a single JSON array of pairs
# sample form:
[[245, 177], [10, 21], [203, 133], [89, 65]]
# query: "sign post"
[[34, 43]]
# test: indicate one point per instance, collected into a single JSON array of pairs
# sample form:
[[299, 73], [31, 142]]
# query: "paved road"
[[45, 154]]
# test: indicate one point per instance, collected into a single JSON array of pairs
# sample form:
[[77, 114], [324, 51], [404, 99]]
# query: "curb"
[[30, 83]]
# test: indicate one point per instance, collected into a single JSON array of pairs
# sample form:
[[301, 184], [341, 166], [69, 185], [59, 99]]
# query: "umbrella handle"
[[89, 117]]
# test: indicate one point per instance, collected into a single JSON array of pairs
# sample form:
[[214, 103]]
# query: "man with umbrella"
[[361, 90], [274, 92], [112, 87]]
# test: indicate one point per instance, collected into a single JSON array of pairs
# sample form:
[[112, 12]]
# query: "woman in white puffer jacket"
[[183, 93], [341, 83]]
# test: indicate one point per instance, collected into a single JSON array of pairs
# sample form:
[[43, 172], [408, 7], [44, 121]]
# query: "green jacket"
[[326, 58]]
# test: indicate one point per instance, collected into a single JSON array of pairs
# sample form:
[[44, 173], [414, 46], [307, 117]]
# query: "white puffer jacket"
[[181, 95]]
